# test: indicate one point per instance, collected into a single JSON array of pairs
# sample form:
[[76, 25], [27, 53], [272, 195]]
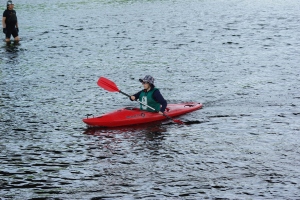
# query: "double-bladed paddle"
[[112, 87]]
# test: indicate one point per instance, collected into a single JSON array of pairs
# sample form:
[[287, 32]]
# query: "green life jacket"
[[146, 98]]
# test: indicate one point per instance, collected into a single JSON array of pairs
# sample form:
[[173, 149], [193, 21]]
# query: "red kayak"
[[131, 115]]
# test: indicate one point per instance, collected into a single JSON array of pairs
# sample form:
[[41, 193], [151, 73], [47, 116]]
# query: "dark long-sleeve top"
[[157, 97]]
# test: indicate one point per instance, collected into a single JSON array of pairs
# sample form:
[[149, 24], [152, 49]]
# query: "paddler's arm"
[[135, 96], [4, 24], [17, 25], [160, 99]]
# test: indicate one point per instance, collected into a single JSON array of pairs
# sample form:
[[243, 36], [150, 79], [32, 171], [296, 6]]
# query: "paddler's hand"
[[161, 113], [132, 98]]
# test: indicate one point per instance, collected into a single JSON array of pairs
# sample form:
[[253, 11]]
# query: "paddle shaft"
[[137, 100]]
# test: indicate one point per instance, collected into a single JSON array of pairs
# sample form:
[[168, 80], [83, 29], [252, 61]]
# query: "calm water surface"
[[239, 58]]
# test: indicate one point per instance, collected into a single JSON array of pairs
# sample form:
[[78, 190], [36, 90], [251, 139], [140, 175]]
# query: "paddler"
[[150, 96], [10, 23]]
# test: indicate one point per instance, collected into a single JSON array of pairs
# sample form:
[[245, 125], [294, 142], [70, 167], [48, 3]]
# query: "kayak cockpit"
[[131, 108]]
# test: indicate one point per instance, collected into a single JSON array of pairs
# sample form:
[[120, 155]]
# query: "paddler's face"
[[146, 85], [10, 6]]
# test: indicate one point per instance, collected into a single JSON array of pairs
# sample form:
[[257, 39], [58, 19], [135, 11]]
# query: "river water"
[[240, 58]]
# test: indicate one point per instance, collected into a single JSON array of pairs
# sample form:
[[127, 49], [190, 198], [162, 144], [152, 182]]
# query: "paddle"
[[112, 87]]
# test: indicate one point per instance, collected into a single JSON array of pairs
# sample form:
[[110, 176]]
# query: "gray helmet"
[[148, 79]]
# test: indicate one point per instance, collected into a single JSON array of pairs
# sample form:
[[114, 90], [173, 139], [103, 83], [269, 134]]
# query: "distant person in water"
[[10, 23], [150, 96]]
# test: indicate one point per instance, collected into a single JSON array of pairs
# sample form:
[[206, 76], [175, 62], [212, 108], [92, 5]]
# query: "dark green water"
[[239, 58]]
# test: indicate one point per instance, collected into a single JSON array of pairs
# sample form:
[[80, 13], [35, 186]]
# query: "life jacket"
[[147, 98]]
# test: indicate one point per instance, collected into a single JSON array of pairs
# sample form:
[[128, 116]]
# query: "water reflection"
[[12, 46], [10, 52], [149, 128], [145, 136]]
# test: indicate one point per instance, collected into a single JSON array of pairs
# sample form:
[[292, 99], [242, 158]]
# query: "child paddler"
[[150, 96]]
